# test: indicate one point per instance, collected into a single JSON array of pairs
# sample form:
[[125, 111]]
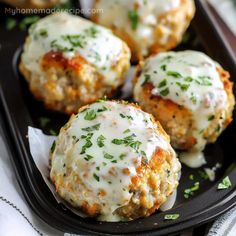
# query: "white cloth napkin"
[[225, 225], [15, 216]]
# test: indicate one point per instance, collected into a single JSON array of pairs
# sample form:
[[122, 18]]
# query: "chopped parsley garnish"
[[52, 132], [97, 57], [174, 74], [135, 145], [203, 174], [43, 33], [188, 79], [212, 117], [143, 153], [190, 191], [203, 80], [128, 141], [74, 137], [103, 99], [163, 83], [59, 47], [96, 177], [77, 40], [102, 109], [43, 121], [11, 23], [128, 117], [90, 115], [88, 157], [126, 131], [27, 21], [88, 142], [183, 87], [114, 161], [163, 67], [164, 92], [92, 128], [218, 128], [147, 77], [225, 184], [92, 32], [193, 99], [100, 141], [122, 156], [108, 156], [97, 168], [171, 217], [53, 146], [191, 177], [134, 18]]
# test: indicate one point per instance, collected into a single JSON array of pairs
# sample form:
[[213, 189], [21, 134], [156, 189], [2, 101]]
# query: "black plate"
[[21, 110]]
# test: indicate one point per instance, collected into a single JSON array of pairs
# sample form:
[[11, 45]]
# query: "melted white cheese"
[[117, 13], [190, 79], [105, 164], [192, 159], [98, 45]]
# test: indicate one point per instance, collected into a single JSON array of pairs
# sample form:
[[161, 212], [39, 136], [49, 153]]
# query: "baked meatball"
[[113, 161], [69, 62], [34, 3], [148, 26], [189, 93]]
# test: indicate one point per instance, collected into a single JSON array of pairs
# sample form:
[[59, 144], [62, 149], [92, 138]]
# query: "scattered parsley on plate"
[[171, 217], [226, 183]]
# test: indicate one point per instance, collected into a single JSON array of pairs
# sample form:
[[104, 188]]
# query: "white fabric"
[[225, 225], [15, 216]]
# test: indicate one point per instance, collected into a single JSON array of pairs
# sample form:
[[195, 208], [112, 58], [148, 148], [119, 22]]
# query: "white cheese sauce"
[[116, 138], [192, 159], [189, 79], [148, 11], [73, 35]]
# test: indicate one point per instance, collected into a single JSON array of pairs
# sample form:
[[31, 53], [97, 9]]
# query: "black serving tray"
[[20, 110]]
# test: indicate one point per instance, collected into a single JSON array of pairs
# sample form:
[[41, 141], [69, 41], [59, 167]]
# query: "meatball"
[[189, 93], [113, 161], [149, 26], [34, 3], [70, 62]]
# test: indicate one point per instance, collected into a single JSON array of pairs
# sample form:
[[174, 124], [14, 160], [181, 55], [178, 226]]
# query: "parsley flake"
[[134, 18], [108, 156], [163, 83], [225, 184], [164, 92], [92, 128], [90, 115], [147, 78], [96, 177], [88, 157], [174, 74], [53, 147], [171, 217], [100, 141]]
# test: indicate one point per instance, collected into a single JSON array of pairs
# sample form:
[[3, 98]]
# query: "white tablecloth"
[[15, 216]]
